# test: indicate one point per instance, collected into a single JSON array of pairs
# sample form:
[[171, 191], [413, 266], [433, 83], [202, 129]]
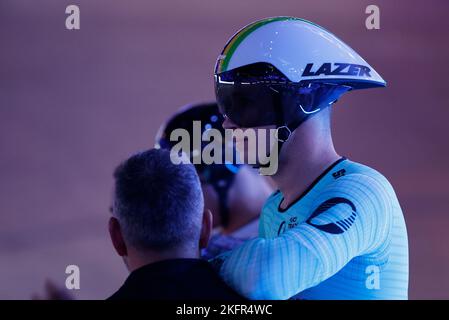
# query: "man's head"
[[157, 209]]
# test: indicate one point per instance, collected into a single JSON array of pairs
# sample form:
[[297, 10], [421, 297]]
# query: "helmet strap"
[[222, 187]]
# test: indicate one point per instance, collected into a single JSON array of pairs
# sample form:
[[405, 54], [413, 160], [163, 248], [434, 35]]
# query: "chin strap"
[[283, 133], [221, 185], [222, 191]]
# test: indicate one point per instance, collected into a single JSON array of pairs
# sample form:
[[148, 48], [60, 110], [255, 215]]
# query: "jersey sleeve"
[[351, 217]]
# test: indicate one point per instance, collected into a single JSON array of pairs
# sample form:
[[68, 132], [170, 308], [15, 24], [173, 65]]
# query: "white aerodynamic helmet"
[[280, 71]]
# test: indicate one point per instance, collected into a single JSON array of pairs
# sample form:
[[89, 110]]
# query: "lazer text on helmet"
[[338, 69]]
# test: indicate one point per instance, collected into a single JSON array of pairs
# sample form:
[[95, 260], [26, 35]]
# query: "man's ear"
[[117, 237], [206, 228]]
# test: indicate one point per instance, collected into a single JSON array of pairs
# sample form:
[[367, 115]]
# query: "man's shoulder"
[[118, 295], [175, 279]]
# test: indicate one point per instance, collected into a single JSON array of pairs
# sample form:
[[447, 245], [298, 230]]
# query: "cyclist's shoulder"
[[358, 173], [361, 182]]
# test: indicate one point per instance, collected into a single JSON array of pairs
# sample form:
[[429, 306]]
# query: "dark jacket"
[[176, 279]]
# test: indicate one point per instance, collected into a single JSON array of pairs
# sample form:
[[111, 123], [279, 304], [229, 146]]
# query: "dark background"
[[75, 103]]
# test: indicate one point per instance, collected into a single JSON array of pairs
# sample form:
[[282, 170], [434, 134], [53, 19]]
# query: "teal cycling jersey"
[[343, 238]]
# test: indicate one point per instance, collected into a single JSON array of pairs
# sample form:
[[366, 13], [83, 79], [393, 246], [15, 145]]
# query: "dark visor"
[[259, 95]]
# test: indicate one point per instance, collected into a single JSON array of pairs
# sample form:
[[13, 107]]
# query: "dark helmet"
[[220, 176]]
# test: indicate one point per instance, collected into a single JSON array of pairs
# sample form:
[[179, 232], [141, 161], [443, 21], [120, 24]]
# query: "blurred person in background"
[[234, 193]]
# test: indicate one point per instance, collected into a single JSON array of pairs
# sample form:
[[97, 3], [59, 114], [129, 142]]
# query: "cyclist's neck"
[[307, 154]]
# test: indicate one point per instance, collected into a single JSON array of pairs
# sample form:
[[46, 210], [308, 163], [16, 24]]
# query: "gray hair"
[[159, 204]]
